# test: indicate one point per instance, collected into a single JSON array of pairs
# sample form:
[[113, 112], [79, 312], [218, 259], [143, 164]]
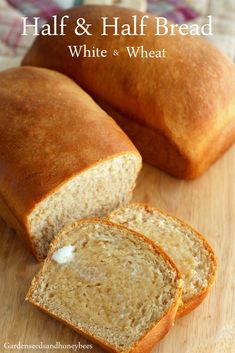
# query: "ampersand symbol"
[[81, 23], [115, 52]]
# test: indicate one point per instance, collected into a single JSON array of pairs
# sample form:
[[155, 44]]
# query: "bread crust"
[[148, 140], [158, 329], [33, 118], [186, 115], [197, 299]]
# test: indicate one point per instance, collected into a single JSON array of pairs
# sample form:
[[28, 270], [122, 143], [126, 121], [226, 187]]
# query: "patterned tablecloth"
[[12, 44], [223, 12]]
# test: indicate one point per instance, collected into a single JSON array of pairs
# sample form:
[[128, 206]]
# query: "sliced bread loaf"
[[62, 157], [110, 284], [189, 250]]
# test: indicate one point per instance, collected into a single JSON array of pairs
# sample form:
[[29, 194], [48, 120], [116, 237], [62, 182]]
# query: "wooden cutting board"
[[207, 203]]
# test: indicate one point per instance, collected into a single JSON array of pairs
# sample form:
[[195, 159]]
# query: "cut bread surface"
[[108, 283], [94, 192], [188, 249]]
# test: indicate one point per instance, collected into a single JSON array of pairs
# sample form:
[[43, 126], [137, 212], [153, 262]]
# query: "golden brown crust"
[[197, 299], [10, 219], [148, 140], [158, 330], [191, 112], [48, 136]]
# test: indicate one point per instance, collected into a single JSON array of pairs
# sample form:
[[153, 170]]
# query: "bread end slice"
[[94, 192], [109, 283], [189, 250]]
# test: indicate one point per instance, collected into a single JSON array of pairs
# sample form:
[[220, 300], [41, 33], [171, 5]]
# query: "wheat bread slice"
[[189, 250], [109, 283]]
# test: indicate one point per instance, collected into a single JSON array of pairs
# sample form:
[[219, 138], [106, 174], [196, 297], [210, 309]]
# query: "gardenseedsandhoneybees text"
[[113, 26]]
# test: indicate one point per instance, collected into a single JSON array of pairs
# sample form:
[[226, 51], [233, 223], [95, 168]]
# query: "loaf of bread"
[[62, 158], [189, 250], [179, 110], [110, 284]]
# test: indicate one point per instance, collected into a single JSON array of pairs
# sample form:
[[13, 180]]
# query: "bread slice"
[[110, 284], [189, 250], [62, 157]]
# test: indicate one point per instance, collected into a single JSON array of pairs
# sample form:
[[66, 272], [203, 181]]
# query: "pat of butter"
[[64, 255]]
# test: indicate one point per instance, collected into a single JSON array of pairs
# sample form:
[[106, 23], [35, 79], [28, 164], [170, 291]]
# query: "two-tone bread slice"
[[110, 284], [189, 250]]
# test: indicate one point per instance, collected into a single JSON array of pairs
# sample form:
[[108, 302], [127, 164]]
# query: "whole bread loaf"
[[62, 157], [179, 111], [110, 284], [190, 251]]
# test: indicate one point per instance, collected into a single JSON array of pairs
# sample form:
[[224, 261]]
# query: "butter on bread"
[[119, 290]]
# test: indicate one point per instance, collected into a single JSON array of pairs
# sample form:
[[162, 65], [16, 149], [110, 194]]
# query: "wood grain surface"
[[207, 203]]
